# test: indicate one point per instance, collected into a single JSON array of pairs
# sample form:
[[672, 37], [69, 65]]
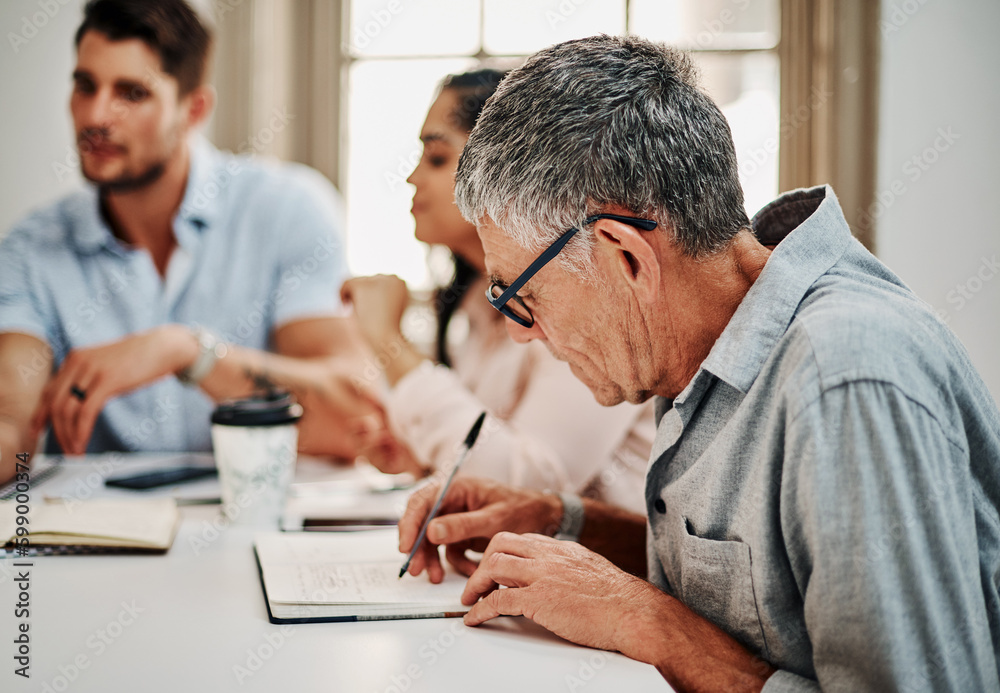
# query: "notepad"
[[146, 525], [347, 577]]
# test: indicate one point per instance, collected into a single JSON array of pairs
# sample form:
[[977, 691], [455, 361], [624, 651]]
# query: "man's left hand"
[[89, 377], [563, 586], [581, 596]]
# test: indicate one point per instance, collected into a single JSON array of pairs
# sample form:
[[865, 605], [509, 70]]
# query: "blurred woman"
[[544, 428]]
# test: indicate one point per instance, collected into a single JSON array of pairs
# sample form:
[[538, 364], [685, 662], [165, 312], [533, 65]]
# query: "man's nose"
[[521, 334], [97, 111]]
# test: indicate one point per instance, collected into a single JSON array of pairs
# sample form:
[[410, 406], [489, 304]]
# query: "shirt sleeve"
[[557, 436], [880, 522], [312, 263]]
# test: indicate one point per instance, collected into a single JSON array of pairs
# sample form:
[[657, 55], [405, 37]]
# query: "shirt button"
[[660, 506]]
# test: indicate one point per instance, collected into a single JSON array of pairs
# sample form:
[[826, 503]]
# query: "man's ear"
[[200, 103], [633, 255]]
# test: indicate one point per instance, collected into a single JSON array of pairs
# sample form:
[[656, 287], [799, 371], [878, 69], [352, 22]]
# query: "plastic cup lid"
[[272, 409]]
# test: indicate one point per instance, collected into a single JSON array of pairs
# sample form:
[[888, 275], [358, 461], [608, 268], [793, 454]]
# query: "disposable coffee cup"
[[255, 442]]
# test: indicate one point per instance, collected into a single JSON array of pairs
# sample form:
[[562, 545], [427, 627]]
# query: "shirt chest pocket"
[[717, 583]]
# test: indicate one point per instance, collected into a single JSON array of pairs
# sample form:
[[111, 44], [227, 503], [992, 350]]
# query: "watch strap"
[[571, 525], [210, 349]]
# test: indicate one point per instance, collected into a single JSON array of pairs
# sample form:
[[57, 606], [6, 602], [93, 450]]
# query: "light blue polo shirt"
[[259, 245]]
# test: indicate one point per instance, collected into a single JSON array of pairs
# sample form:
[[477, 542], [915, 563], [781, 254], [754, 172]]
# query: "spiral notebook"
[[320, 577]]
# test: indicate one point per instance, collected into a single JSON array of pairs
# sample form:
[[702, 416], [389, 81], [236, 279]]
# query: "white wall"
[[37, 156], [937, 221]]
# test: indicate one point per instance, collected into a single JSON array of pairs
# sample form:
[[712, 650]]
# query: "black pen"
[[470, 440]]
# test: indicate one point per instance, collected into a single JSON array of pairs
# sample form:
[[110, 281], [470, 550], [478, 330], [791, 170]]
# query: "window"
[[397, 52], [357, 77]]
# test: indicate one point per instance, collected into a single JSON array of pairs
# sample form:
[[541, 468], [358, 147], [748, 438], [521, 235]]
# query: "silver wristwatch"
[[571, 525], [210, 349]]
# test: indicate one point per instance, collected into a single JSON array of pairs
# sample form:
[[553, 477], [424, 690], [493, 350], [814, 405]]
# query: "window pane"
[[746, 89], [401, 27], [519, 27], [707, 24], [387, 104]]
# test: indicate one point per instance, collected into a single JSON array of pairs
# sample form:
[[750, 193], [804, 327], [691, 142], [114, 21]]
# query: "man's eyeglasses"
[[500, 296]]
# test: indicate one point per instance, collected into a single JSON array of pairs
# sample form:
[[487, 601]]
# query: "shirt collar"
[[89, 231], [811, 235], [199, 209], [207, 178]]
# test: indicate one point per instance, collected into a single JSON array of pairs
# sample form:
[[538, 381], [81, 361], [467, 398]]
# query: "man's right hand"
[[472, 512]]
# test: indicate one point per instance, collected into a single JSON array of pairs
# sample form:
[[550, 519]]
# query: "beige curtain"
[[829, 96]]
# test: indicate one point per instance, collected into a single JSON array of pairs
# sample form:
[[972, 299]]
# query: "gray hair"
[[600, 121]]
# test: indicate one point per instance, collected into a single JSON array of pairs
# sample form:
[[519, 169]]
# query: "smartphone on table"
[[170, 475]]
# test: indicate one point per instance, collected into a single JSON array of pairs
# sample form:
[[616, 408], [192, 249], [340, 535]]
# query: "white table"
[[195, 620]]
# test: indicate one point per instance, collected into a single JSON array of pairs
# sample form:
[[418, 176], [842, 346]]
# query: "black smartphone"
[[154, 478]]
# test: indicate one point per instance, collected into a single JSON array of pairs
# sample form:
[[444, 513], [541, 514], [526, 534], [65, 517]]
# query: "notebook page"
[[356, 568]]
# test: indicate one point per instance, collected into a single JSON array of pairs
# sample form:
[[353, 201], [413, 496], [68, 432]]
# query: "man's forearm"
[[244, 371], [328, 387], [691, 653], [322, 361], [617, 534], [309, 354], [11, 444]]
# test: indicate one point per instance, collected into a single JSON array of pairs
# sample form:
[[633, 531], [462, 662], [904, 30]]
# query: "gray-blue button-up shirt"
[[258, 246], [826, 488]]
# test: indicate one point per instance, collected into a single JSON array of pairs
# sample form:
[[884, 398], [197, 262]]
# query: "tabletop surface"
[[195, 620]]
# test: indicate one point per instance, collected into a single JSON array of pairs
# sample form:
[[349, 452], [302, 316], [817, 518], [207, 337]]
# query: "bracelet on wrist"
[[571, 525], [211, 348]]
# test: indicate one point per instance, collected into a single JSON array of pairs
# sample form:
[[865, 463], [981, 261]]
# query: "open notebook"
[[93, 526], [312, 577]]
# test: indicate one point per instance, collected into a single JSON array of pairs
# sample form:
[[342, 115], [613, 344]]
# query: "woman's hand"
[[379, 302]]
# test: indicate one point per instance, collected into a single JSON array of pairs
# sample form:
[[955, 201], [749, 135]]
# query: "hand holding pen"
[[470, 440]]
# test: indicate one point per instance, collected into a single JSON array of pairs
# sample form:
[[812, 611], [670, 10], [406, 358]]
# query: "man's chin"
[[606, 395], [607, 398], [124, 182]]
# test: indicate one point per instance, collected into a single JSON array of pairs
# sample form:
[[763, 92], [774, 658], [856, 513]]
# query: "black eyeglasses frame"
[[510, 292]]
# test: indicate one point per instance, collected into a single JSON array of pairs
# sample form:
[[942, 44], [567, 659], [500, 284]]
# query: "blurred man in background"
[[181, 275]]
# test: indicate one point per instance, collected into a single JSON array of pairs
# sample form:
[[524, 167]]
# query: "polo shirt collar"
[[812, 235], [197, 212]]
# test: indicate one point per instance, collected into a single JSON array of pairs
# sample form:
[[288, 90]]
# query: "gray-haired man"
[[823, 492]]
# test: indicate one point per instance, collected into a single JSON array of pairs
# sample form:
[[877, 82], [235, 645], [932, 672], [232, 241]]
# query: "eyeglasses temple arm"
[[533, 268]]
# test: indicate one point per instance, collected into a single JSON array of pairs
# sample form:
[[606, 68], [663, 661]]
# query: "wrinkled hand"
[[103, 372], [581, 596], [473, 511], [562, 586], [379, 302]]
